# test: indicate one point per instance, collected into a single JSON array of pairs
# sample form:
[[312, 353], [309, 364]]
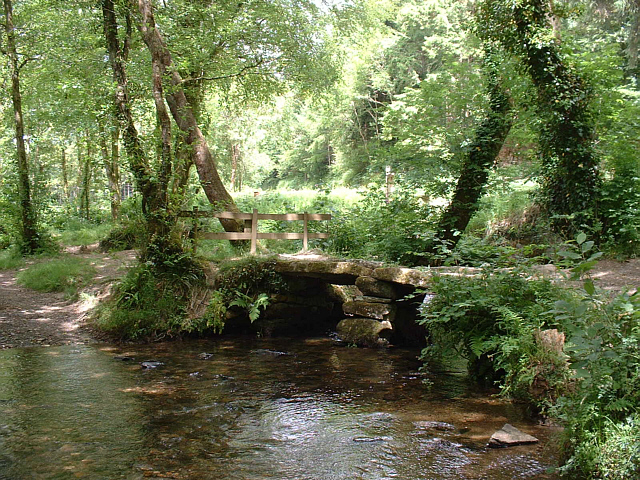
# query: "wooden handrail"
[[252, 232]]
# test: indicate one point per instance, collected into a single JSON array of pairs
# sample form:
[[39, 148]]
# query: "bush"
[[493, 321], [65, 274], [125, 236], [397, 231], [10, 259], [151, 300]]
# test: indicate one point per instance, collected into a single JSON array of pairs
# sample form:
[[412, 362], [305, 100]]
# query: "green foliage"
[[65, 274], [151, 300], [10, 259], [76, 231], [394, 231], [127, 235], [243, 285], [492, 321], [600, 416]]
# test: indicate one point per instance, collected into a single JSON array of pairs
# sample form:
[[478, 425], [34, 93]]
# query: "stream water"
[[250, 409]]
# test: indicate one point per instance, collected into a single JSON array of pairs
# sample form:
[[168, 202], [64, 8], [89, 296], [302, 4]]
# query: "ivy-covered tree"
[[570, 179], [30, 241]]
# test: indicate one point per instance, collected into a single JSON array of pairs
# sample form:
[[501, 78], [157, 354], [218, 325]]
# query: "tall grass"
[[63, 274], [10, 259]]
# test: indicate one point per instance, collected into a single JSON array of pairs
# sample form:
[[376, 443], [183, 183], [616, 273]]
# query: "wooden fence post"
[[305, 239], [254, 231]]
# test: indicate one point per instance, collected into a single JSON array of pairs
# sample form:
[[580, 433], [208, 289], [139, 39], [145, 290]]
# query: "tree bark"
[[110, 160], [184, 117], [65, 174], [235, 163], [29, 233], [135, 153], [478, 163]]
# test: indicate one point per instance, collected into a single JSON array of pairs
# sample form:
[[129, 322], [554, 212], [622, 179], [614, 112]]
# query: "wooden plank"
[[249, 216], [305, 238], [293, 216], [261, 236], [226, 236], [289, 236], [236, 215]]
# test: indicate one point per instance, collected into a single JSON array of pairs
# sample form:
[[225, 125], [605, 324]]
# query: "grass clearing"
[[10, 259], [85, 234], [61, 274]]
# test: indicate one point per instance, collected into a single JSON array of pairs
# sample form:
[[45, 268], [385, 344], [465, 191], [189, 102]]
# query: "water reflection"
[[248, 410]]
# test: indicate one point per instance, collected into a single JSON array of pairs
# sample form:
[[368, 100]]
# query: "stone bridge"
[[363, 301]]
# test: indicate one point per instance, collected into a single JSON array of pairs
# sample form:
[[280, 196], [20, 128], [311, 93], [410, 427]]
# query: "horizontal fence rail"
[[252, 233]]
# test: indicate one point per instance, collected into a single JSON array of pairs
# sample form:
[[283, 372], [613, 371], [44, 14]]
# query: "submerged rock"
[[430, 425], [510, 436], [123, 358], [205, 356], [151, 364], [269, 353], [363, 331]]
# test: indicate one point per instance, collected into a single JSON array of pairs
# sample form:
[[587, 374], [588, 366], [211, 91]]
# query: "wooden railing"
[[251, 232]]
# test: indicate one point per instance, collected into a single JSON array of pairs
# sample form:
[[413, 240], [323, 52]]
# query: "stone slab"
[[362, 331], [379, 311], [376, 288], [510, 436]]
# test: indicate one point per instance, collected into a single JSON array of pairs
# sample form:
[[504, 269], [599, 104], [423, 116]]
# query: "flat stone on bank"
[[510, 436]]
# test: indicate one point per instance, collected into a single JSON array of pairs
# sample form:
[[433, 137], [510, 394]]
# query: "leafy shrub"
[[492, 320], [243, 284], [65, 274], [10, 259], [604, 348], [399, 230], [151, 300], [125, 236], [620, 213]]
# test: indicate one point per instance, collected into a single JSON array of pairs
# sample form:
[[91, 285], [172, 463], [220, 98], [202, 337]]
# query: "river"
[[247, 408]]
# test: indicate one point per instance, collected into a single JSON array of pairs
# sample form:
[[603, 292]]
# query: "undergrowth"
[[63, 274], [512, 328]]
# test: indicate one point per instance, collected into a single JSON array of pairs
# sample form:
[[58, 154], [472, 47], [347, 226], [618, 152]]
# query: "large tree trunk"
[[30, 238], [570, 180], [478, 163], [110, 160], [85, 180], [135, 153], [184, 117], [65, 174]]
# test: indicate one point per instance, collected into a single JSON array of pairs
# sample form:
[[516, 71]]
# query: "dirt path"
[[29, 318]]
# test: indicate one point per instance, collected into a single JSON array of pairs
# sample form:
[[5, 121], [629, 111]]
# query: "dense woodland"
[[488, 133]]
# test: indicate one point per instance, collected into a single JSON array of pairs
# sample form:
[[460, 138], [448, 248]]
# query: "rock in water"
[[151, 364], [362, 331], [510, 436]]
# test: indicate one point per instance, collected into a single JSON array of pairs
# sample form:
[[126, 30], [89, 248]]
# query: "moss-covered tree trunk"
[[570, 181], [478, 162], [30, 240], [184, 116]]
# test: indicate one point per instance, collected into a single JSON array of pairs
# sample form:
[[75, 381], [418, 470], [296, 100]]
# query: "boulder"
[[362, 331], [510, 436], [376, 288], [379, 311]]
